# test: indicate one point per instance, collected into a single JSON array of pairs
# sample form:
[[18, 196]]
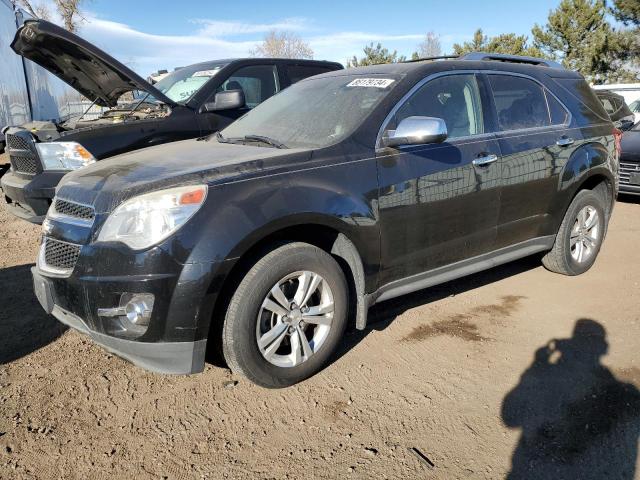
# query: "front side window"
[[520, 102], [258, 82], [453, 98]]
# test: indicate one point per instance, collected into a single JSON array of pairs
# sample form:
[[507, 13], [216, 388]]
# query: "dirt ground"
[[442, 386]]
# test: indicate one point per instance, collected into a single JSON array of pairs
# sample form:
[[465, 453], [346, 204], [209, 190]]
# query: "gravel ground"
[[515, 369]]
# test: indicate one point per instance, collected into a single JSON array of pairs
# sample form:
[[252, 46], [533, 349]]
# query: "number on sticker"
[[371, 82]]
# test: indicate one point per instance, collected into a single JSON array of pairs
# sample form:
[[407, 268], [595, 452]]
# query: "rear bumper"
[[29, 198]]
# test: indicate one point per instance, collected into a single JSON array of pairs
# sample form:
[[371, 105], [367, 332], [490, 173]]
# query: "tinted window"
[[579, 89], [454, 98], [520, 102], [300, 72], [258, 82], [558, 113]]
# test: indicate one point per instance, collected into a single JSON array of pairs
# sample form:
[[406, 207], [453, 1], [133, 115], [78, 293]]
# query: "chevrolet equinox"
[[263, 241]]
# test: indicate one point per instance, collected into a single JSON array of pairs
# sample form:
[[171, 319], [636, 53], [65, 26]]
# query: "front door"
[[439, 203]]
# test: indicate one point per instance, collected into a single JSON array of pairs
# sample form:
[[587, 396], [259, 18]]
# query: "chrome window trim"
[[421, 83]]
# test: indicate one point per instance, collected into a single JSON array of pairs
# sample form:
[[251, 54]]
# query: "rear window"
[[300, 72], [520, 102]]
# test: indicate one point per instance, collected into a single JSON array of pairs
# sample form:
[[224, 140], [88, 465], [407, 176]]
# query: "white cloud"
[[214, 28]]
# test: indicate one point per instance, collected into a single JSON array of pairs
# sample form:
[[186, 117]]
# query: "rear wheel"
[[580, 236], [286, 317]]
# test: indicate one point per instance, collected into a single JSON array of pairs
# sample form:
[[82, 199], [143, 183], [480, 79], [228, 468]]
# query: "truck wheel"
[[286, 317], [580, 236]]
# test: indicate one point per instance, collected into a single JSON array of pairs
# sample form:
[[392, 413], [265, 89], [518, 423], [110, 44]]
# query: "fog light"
[[138, 308], [135, 307]]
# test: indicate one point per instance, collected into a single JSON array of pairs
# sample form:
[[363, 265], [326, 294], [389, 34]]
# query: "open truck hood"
[[92, 72]]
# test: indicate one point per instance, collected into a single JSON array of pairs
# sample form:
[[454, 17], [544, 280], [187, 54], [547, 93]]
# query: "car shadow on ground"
[[576, 419], [383, 314], [24, 326]]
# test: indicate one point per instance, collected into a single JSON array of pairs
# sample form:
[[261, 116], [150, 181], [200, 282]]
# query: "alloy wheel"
[[585, 234], [295, 319]]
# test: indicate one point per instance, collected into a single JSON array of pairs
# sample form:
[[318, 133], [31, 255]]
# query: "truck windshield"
[[184, 83], [314, 113]]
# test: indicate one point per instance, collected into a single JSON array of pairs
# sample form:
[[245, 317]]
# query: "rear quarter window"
[[589, 106]]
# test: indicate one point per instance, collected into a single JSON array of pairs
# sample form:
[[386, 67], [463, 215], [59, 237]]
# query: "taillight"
[[617, 136]]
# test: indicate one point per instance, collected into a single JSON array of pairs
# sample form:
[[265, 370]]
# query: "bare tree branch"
[[282, 45]]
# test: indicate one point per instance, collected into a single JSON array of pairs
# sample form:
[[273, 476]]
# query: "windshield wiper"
[[250, 138]]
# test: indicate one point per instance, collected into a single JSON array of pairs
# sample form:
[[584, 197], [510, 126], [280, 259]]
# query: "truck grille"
[[24, 164], [60, 255], [76, 210], [22, 153], [626, 169]]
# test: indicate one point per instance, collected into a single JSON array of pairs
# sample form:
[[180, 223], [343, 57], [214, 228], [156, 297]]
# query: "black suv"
[[265, 240], [185, 104]]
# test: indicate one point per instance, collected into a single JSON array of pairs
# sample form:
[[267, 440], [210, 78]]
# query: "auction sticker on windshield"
[[371, 82]]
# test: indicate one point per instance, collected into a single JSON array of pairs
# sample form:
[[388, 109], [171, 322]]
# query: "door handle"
[[565, 142], [485, 160]]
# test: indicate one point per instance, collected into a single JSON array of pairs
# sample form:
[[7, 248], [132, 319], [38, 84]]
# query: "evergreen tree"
[[374, 56], [506, 43]]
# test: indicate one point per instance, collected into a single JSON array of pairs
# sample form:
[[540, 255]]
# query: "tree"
[[578, 34], [282, 45], [429, 47], [374, 56], [506, 43], [627, 11], [70, 11]]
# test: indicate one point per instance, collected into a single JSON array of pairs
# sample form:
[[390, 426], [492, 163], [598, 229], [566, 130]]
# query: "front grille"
[[60, 255], [22, 154], [24, 164], [626, 169], [18, 143], [71, 209]]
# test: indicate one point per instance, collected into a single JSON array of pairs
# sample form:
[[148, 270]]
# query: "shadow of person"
[[24, 325], [577, 420]]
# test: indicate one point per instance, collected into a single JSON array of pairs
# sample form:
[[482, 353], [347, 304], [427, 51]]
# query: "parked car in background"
[[630, 91], [630, 161], [190, 102], [619, 112], [347, 189]]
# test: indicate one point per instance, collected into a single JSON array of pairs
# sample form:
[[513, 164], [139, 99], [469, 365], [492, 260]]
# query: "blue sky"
[[150, 35]]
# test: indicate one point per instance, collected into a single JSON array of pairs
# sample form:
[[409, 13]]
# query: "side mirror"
[[417, 131], [229, 100]]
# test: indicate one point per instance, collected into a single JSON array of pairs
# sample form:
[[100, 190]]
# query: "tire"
[[562, 257], [248, 319]]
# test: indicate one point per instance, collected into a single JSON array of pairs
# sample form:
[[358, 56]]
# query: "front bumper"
[[30, 197], [175, 340], [164, 357]]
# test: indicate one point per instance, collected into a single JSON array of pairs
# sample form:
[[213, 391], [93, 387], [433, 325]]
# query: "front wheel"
[[286, 317], [580, 236]]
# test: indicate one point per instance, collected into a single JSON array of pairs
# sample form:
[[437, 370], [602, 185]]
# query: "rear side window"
[[453, 98], [258, 82], [520, 102], [300, 72]]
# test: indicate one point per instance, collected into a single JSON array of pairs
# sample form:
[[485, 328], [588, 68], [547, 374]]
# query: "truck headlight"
[[63, 155], [147, 219]]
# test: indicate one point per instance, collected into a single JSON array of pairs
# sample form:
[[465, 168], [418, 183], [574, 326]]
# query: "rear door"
[[436, 206], [535, 143]]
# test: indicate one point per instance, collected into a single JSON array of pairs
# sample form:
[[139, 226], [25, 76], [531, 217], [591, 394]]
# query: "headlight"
[[146, 220], [63, 155]]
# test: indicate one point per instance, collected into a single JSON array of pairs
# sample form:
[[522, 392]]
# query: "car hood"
[[92, 72], [630, 146], [107, 183]]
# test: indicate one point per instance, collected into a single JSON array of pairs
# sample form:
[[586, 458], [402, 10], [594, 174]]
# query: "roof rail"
[[500, 57], [424, 59]]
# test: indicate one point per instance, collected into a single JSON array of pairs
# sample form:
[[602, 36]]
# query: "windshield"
[[184, 83], [314, 113], [635, 106]]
